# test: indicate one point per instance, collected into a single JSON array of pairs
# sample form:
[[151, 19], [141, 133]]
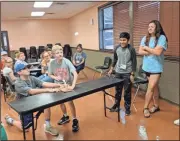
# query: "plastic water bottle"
[[157, 138], [122, 116], [142, 131]]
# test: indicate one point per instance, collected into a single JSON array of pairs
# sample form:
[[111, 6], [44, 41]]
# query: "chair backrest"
[[9, 82], [141, 72], [67, 51], [49, 45], [23, 49], [40, 50], [33, 51], [58, 44], [107, 62]]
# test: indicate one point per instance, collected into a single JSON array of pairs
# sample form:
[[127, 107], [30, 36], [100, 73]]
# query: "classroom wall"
[[88, 31], [26, 33]]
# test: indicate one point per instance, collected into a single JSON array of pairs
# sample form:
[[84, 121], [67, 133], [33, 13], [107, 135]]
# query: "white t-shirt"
[[6, 71]]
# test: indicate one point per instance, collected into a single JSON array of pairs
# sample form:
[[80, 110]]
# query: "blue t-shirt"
[[153, 63], [78, 57]]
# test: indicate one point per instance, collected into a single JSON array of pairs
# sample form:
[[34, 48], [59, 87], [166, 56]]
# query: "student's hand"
[[65, 89], [132, 78], [145, 48], [61, 86], [57, 78], [54, 90], [70, 87], [109, 72]]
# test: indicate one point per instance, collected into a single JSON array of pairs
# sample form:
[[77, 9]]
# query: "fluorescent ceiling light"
[[37, 13], [42, 4]]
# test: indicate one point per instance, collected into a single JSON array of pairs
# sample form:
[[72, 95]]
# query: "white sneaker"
[[51, 130], [176, 122]]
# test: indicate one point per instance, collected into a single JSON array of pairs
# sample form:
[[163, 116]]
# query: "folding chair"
[[11, 88], [67, 51], [58, 44], [139, 80], [33, 53], [3, 84], [40, 50], [50, 46], [105, 66]]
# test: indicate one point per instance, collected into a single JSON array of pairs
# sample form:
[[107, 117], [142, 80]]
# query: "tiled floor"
[[95, 126]]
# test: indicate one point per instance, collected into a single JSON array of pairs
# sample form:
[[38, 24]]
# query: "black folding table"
[[40, 102]]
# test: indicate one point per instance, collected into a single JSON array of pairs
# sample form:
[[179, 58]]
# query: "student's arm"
[[155, 51], [42, 67], [73, 59], [74, 81], [73, 71], [161, 46], [46, 86], [23, 89], [84, 58], [82, 61], [51, 85], [142, 51], [42, 70], [43, 90], [53, 76]]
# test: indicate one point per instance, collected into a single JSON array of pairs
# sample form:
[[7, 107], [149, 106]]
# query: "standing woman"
[[152, 47]]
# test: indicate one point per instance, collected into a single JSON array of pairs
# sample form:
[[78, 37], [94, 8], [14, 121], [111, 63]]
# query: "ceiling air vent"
[[61, 3], [49, 13]]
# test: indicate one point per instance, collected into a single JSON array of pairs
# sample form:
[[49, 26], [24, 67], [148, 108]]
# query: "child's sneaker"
[[51, 130], [176, 122], [75, 125], [9, 120], [63, 120]]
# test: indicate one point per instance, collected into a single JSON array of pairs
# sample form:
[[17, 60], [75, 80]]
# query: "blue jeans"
[[79, 68], [46, 78]]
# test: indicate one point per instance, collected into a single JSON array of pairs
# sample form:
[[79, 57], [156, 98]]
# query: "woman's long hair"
[[158, 31]]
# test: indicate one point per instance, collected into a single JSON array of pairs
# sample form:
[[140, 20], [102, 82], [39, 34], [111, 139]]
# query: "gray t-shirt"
[[23, 86], [63, 70], [124, 59]]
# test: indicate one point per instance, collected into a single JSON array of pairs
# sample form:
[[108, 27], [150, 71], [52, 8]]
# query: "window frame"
[[101, 25]]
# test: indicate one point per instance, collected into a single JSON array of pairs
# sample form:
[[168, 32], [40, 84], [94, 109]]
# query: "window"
[[118, 17], [106, 28], [143, 13]]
